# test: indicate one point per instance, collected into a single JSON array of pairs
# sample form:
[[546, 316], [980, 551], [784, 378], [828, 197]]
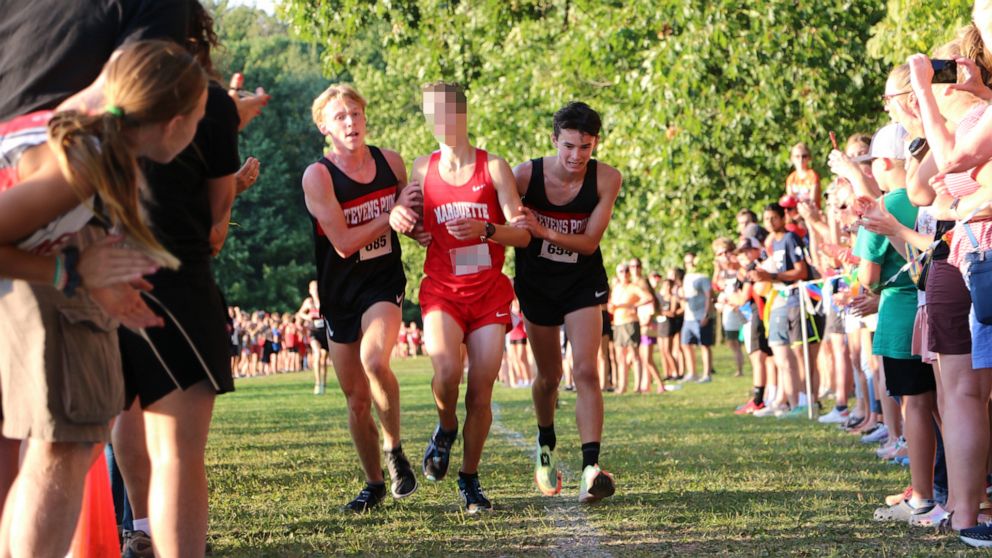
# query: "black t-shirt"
[[50, 49], [179, 204]]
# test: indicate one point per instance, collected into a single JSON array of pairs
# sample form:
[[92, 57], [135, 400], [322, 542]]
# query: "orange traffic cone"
[[96, 532]]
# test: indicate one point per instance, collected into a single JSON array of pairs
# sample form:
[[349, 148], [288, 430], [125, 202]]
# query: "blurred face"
[[773, 221], [742, 222], [689, 260], [163, 142], [447, 116], [635, 267], [800, 158], [344, 123], [574, 149], [623, 274]]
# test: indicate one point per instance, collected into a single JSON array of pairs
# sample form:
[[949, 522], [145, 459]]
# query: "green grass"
[[693, 480]]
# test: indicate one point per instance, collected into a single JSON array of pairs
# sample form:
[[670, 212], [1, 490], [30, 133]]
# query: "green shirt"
[[897, 307]]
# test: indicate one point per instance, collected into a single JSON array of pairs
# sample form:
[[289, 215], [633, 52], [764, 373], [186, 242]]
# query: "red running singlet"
[[461, 265]]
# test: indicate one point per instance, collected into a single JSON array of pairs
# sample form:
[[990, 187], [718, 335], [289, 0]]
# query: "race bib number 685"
[[379, 247]]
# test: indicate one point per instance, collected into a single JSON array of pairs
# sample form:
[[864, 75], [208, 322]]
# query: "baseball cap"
[[748, 243], [889, 142], [788, 201]]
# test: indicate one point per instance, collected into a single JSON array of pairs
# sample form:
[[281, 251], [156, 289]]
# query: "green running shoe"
[[596, 485], [546, 473]]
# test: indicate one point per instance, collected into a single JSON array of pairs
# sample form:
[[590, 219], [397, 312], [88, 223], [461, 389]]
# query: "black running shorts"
[[545, 309], [344, 324]]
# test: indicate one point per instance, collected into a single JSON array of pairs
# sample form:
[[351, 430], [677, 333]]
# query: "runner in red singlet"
[[468, 195]]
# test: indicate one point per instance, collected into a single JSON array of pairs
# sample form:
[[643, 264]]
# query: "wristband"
[[73, 280], [58, 281]]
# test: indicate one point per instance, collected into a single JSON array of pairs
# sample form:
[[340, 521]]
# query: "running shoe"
[[876, 436], [979, 536], [853, 421], [370, 497], [672, 387], [749, 407], [596, 484], [687, 378], [437, 455], [546, 473], [137, 544], [769, 411], [404, 481], [704, 380], [800, 411], [472, 495], [902, 512], [835, 417]]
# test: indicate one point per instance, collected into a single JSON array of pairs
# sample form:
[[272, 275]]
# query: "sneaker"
[[596, 484], [404, 481], [835, 417], [704, 380], [137, 544], [472, 496], [437, 455], [902, 512], [370, 497], [979, 536], [688, 378], [893, 450], [672, 387], [853, 421], [768, 411], [801, 411], [546, 473], [749, 407], [894, 499], [876, 436]]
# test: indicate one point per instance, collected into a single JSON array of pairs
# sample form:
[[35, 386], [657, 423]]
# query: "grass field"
[[693, 480]]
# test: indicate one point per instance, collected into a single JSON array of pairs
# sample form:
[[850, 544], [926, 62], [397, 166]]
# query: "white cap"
[[889, 142]]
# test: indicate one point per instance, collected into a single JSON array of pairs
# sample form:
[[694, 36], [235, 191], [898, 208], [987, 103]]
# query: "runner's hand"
[[528, 220], [465, 229], [403, 219], [123, 302], [104, 264], [412, 196], [421, 236], [246, 175]]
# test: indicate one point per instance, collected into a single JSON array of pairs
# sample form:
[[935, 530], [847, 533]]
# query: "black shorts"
[[344, 324], [518, 341], [908, 376], [319, 333], [607, 325], [192, 296], [755, 338], [549, 309]]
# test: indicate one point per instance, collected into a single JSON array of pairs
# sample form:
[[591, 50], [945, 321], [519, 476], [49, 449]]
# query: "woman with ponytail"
[[65, 285]]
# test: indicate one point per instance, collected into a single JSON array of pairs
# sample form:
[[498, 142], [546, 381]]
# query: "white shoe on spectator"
[[880, 434], [835, 417]]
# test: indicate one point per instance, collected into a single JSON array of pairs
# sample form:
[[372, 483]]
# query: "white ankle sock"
[[142, 525]]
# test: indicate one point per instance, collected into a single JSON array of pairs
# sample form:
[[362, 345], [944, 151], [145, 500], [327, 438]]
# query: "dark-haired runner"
[[568, 202]]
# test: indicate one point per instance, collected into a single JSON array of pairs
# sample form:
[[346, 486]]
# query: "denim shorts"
[[981, 343]]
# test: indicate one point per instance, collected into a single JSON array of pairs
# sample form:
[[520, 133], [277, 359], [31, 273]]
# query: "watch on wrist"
[[490, 230], [70, 268], [918, 147]]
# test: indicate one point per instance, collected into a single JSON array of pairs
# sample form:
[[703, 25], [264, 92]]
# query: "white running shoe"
[[879, 435], [596, 484], [834, 417]]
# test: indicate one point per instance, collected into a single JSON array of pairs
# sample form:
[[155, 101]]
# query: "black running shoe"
[[437, 455], [471, 491], [370, 497], [404, 481]]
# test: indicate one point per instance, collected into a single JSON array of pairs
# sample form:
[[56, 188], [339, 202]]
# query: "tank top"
[[467, 267], [543, 264], [378, 265], [17, 136]]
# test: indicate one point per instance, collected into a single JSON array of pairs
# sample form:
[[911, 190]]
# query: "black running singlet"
[[544, 265], [377, 266]]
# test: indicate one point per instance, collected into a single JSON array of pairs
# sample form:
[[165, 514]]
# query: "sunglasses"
[[802, 156], [887, 98]]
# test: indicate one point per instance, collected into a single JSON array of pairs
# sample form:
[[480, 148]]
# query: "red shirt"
[[471, 266]]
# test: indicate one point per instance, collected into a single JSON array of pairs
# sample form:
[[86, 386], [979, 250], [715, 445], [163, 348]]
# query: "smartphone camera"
[[944, 71]]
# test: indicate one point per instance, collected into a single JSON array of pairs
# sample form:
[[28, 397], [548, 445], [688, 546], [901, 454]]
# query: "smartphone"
[[833, 140], [944, 71]]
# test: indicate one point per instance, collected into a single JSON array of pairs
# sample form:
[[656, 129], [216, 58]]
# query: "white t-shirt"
[[696, 290]]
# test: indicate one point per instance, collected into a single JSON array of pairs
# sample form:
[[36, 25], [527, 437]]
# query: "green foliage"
[[268, 257], [912, 26], [700, 101]]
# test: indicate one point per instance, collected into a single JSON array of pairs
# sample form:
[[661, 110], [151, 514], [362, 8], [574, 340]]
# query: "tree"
[[912, 26]]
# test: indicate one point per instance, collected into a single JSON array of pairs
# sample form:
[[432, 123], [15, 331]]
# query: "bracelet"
[[58, 281], [73, 280]]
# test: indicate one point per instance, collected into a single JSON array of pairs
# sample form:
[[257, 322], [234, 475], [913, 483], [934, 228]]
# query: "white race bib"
[[378, 247], [556, 253], [470, 259]]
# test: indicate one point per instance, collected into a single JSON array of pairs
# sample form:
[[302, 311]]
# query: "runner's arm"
[[509, 201], [586, 243], [323, 205]]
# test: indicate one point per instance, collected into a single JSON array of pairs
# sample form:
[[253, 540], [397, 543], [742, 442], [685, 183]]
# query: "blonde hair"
[[150, 82], [725, 243], [973, 48], [899, 76], [338, 91], [799, 145]]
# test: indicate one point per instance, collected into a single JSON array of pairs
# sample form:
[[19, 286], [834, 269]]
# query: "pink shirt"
[[962, 184]]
